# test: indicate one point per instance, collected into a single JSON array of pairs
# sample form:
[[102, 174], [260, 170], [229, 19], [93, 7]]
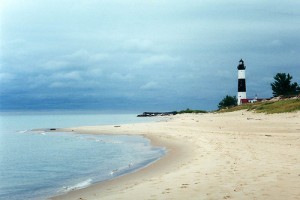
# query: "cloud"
[[68, 76], [142, 52], [276, 43], [55, 64], [122, 77], [139, 45], [158, 60], [79, 59], [58, 85], [6, 77], [150, 86]]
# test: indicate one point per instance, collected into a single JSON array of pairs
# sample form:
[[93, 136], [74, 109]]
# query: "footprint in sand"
[[184, 185], [167, 191]]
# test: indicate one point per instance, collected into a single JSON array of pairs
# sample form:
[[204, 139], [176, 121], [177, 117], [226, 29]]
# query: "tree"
[[283, 86], [228, 101]]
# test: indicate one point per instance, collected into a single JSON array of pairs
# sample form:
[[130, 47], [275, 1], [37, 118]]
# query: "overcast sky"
[[142, 55]]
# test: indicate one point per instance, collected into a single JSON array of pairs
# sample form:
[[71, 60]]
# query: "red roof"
[[244, 100]]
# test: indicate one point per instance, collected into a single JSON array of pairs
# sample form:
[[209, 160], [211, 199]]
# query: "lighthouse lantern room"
[[241, 82]]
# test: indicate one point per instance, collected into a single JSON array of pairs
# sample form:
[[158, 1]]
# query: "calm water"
[[39, 165]]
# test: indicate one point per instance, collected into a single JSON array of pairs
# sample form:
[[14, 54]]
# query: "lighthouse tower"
[[241, 82]]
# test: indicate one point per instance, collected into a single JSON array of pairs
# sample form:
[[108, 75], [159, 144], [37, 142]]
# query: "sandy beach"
[[237, 155]]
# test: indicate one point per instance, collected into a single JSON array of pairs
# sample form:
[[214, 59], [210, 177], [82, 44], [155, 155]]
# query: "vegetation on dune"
[[269, 107], [191, 111]]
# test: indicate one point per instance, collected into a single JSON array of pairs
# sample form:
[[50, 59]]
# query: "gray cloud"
[[142, 54]]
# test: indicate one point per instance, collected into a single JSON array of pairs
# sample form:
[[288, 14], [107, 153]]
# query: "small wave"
[[101, 140], [114, 171], [108, 141], [115, 142], [24, 131], [80, 185], [130, 165], [122, 169], [112, 141]]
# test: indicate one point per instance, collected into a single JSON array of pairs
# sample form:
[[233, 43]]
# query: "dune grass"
[[191, 111], [269, 107]]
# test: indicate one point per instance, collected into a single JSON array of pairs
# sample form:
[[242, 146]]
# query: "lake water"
[[38, 165]]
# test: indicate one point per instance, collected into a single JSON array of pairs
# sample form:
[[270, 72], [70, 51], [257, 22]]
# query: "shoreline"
[[176, 151], [239, 155]]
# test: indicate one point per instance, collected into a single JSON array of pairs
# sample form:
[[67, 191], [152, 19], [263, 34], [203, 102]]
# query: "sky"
[[133, 55]]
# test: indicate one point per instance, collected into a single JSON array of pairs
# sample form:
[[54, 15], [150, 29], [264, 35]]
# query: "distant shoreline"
[[233, 155]]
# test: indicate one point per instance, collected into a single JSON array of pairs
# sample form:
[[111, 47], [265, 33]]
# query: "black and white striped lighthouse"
[[241, 82]]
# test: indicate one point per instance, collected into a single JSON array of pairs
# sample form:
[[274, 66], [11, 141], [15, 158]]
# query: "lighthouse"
[[241, 82]]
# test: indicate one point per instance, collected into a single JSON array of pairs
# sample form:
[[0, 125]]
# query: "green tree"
[[283, 86], [228, 101]]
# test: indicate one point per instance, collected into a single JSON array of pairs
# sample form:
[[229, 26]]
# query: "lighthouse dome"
[[241, 65]]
